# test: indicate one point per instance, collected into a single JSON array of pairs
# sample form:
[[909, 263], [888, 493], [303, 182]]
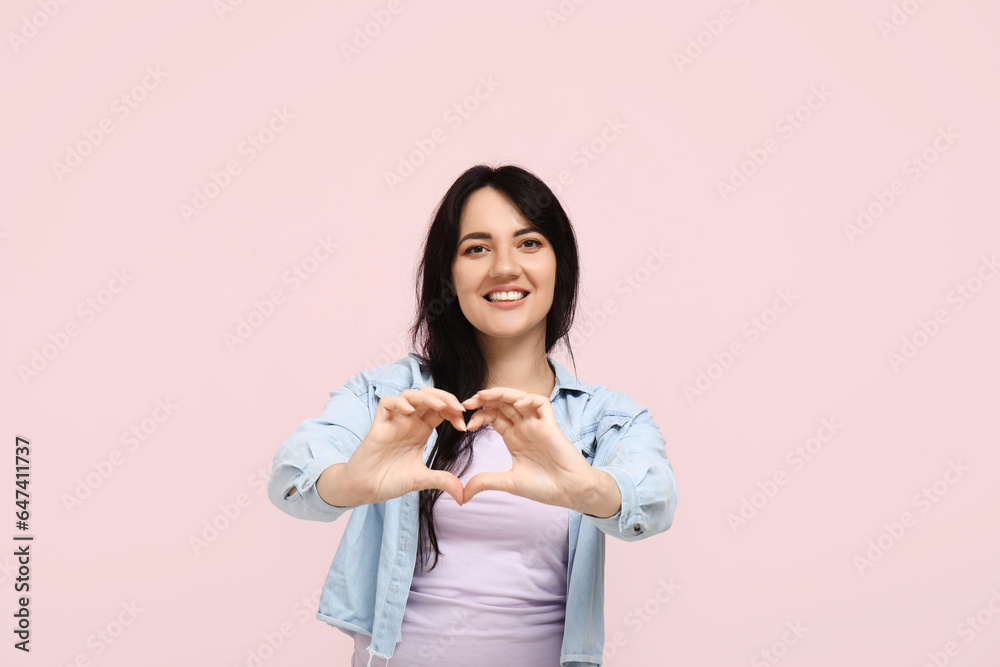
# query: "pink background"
[[653, 185]]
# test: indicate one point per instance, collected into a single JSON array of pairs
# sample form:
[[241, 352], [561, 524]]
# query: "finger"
[[479, 400], [435, 410], [429, 410], [502, 422], [396, 405], [473, 402], [442, 405], [423, 400], [482, 416], [530, 405], [456, 420], [484, 481], [443, 395], [491, 416], [449, 412], [459, 423], [447, 482], [432, 419], [493, 396], [510, 412]]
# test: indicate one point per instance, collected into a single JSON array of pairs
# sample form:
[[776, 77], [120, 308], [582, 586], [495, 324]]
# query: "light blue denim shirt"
[[369, 580]]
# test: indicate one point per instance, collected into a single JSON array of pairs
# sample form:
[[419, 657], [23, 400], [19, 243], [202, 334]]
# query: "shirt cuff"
[[306, 499], [630, 521]]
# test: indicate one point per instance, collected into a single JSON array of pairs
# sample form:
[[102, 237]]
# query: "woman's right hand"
[[389, 461]]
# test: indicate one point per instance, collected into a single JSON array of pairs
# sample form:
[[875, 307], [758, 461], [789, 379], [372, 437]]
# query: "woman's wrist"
[[601, 498], [332, 486]]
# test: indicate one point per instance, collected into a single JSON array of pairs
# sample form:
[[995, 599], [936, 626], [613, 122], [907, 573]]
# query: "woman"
[[507, 566]]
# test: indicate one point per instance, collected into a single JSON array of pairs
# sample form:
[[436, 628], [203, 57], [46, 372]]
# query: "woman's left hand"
[[546, 467]]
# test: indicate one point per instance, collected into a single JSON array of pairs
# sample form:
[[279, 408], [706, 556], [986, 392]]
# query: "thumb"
[[447, 482], [486, 481]]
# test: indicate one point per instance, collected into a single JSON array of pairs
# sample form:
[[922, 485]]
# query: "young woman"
[[483, 476]]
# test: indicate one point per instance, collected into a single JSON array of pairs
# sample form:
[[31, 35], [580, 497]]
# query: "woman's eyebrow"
[[486, 235]]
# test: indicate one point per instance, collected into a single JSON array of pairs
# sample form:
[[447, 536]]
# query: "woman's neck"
[[519, 368]]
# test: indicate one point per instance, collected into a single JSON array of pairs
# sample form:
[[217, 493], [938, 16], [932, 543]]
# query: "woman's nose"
[[504, 263]]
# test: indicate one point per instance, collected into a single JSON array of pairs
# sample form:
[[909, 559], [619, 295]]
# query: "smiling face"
[[499, 247]]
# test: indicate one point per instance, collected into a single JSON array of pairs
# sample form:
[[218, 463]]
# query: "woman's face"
[[499, 247]]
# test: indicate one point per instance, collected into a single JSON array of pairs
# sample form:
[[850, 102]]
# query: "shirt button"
[[636, 527]]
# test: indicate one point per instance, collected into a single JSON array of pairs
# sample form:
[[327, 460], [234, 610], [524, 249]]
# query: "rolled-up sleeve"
[[637, 460], [316, 445]]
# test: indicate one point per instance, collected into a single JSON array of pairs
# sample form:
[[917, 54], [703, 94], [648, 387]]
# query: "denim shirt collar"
[[566, 380]]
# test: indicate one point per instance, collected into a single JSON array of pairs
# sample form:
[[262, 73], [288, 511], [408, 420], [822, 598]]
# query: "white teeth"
[[506, 296]]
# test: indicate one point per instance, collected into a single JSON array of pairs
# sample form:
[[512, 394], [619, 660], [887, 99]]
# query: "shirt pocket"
[[376, 392], [586, 443], [603, 433]]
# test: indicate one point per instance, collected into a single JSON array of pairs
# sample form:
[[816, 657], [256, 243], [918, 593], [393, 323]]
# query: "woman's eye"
[[471, 248]]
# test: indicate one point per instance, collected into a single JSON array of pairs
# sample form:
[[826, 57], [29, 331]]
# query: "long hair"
[[443, 336]]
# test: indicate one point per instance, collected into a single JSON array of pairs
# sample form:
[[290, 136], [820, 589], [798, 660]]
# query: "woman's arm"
[[631, 450], [316, 446]]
